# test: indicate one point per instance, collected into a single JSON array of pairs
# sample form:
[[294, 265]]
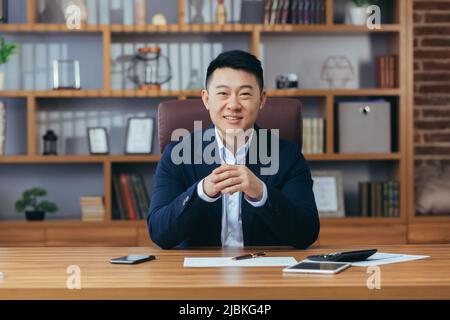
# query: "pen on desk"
[[249, 256]]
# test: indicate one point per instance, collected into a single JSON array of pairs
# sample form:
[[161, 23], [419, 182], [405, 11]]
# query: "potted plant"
[[6, 50], [357, 11], [36, 211]]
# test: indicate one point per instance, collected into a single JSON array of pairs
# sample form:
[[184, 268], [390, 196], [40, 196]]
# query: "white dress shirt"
[[231, 234]]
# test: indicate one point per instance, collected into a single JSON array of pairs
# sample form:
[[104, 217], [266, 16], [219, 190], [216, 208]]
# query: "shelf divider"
[[329, 124], [107, 172], [329, 9], [107, 61], [31, 125]]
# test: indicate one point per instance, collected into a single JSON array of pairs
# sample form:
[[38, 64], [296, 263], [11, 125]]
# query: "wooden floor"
[[41, 273]]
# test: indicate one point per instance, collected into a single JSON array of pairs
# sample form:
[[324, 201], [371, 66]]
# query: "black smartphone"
[[132, 259]]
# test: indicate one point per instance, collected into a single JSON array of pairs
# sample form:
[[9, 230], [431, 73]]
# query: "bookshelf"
[[263, 41]]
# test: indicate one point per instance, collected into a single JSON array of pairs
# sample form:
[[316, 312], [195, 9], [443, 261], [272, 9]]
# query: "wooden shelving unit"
[[193, 28], [347, 230], [190, 93]]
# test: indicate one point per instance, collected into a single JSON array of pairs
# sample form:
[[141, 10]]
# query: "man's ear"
[[205, 98], [263, 99]]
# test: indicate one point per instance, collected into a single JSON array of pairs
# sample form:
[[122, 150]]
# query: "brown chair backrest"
[[278, 113]]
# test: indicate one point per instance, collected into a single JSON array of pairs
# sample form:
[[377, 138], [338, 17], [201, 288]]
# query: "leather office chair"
[[278, 113]]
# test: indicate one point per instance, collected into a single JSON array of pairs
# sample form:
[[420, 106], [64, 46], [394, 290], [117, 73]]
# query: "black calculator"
[[348, 256]]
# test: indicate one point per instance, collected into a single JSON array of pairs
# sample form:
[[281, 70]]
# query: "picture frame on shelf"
[[329, 193], [66, 75], [139, 136], [98, 140]]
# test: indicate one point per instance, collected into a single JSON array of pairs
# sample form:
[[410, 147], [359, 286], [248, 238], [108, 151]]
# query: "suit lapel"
[[247, 211], [202, 170]]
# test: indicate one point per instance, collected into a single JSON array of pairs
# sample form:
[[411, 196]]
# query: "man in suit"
[[229, 202]]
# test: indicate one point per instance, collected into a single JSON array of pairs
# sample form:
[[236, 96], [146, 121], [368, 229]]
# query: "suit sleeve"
[[174, 206], [291, 211]]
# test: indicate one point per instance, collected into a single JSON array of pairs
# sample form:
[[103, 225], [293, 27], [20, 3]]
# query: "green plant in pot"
[[358, 11], [6, 51], [34, 210], [362, 3]]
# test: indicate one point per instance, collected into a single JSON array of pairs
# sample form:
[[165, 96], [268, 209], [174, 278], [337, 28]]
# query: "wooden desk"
[[40, 273]]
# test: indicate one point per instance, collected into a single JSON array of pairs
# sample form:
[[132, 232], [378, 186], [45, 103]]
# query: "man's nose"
[[233, 103]]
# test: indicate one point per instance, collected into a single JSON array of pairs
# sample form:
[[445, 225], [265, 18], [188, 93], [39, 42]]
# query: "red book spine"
[[128, 200]]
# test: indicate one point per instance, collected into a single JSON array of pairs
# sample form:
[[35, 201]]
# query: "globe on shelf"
[[159, 20], [221, 12], [337, 71], [149, 69]]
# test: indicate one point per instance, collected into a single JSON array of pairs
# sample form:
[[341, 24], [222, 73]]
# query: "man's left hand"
[[243, 180]]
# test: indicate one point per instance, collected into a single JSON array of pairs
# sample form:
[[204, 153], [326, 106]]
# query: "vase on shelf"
[[198, 15], [221, 12], [37, 215], [356, 15], [140, 12]]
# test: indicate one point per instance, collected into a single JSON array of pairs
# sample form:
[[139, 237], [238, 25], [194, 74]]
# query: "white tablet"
[[318, 267]]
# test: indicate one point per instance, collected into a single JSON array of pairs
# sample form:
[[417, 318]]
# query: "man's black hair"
[[239, 60]]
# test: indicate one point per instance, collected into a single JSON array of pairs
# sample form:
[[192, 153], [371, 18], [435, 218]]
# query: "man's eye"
[[222, 93], [245, 94]]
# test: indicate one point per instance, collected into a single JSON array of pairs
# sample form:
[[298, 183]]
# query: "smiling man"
[[230, 203]]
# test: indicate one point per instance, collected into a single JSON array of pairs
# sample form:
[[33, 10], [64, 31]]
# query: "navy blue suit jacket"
[[178, 217]]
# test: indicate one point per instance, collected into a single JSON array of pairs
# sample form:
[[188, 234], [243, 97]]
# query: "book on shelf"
[[92, 208], [132, 198], [2, 127], [386, 71], [267, 10], [313, 136], [294, 11], [379, 199]]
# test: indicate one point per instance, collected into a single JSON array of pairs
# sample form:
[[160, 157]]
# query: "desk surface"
[[41, 273]]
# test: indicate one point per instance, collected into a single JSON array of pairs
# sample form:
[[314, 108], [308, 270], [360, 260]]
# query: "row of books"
[[379, 199], [294, 12], [92, 208], [386, 71], [131, 196], [313, 135]]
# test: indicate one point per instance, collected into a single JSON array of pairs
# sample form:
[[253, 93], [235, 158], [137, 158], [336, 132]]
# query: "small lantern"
[[149, 69], [50, 143]]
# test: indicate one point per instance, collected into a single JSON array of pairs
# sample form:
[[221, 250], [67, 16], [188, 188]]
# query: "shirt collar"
[[241, 151]]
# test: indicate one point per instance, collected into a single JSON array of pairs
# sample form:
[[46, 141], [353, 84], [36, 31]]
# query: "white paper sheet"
[[381, 258], [229, 262]]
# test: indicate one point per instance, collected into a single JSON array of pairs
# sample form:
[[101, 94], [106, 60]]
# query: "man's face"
[[233, 99]]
